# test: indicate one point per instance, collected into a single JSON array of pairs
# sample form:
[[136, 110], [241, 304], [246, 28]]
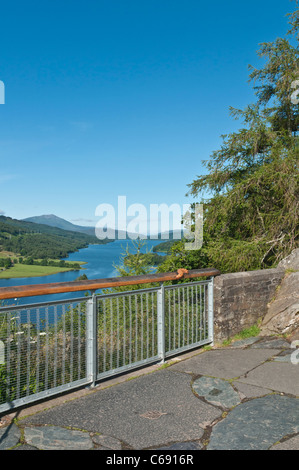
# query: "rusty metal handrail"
[[95, 284]]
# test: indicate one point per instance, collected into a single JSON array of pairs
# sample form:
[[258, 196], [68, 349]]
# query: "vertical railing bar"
[[192, 314], [179, 319], [141, 320], [200, 313], [204, 309], [136, 328], [56, 346], [124, 331], [47, 349], [79, 340], [207, 311], [104, 335], [117, 327], [169, 321], [28, 353], [95, 335], [161, 322], [72, 343], [147, 327], [210, 311], [174, 319], [91, 339], [188, 316], [63, 345], [130, 336], [8, 394], [184, 310], [111, 335], [203, 306], [196, 310], [37, 347], [153, 324], [18, 356]]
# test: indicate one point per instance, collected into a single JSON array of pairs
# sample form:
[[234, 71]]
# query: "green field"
[[23, 270]]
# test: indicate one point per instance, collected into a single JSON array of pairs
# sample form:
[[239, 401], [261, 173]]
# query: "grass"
[[31, 270], [250, 332], [26, 270], [8, 254]]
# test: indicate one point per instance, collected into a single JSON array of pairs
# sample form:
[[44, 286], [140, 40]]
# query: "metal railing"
[[49, 348]]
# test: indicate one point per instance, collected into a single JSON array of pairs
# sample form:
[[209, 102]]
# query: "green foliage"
[[5, 263], [83, 277], [45, 262], [133, 263], [164, 247], [146, 259], [181, 258], [39, 240]]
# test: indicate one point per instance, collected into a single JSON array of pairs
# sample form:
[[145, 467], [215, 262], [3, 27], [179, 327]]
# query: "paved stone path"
[[240, 397], [257, 424]]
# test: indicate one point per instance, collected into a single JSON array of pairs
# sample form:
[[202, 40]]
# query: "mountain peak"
[[55, 221], [48, 216]]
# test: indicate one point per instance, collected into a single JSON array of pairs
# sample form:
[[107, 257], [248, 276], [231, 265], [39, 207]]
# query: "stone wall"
[[241, 299]]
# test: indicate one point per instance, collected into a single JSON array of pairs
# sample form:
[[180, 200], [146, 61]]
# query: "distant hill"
[[54, 221], [41, 240]]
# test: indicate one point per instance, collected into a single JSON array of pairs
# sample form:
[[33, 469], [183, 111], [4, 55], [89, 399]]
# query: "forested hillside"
[[40, 241]]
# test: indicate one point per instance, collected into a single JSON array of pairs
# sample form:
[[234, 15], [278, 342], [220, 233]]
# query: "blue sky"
[[108, 98]]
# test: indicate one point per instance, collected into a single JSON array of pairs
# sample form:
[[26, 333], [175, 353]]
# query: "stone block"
[[241, 299]]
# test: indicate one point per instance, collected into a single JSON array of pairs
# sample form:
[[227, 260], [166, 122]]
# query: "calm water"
[[100, 260]]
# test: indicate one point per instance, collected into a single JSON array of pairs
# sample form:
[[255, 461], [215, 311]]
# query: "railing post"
[[91, 345], [161, 322], [211, 310]]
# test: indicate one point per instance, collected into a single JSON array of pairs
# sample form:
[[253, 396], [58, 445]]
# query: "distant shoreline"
[[19, 270]]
